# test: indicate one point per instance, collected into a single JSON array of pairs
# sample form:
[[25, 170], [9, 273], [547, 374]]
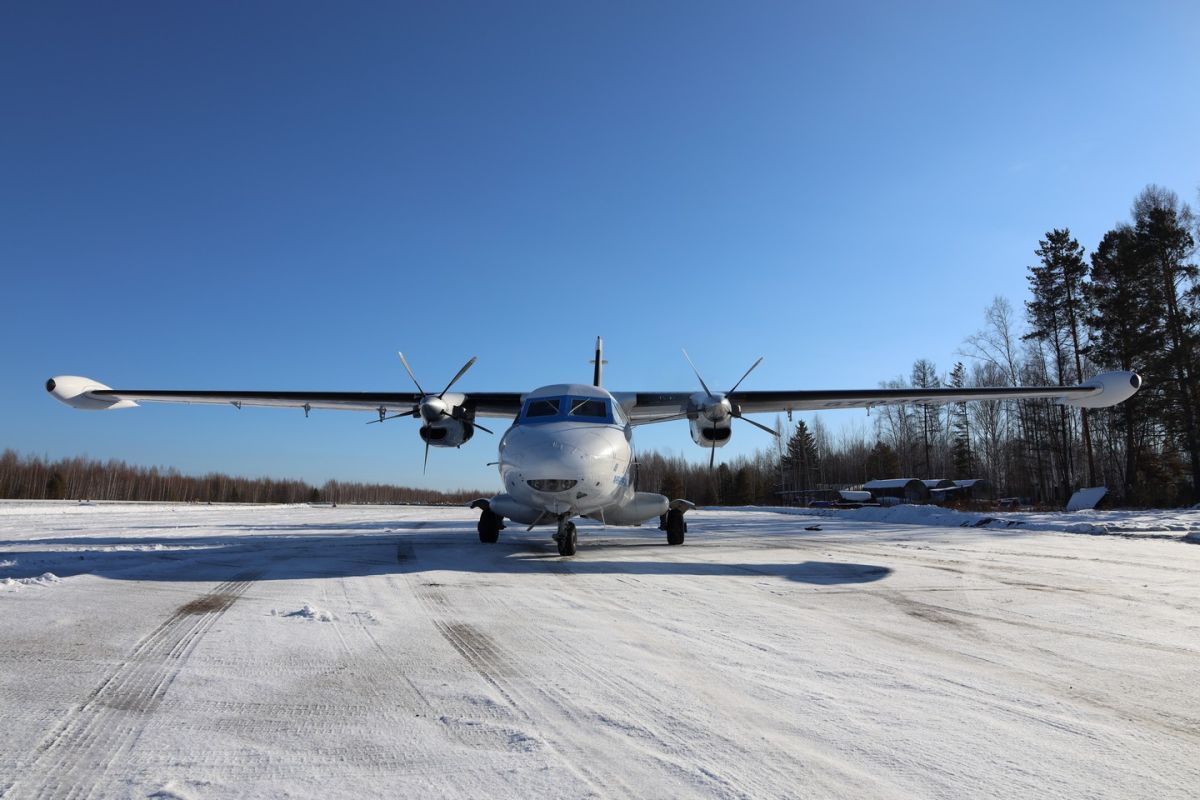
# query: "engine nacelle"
[[709, 433], [447, 432]]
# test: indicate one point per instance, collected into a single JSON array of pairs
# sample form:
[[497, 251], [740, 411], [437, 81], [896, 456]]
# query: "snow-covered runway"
[[193, 651]]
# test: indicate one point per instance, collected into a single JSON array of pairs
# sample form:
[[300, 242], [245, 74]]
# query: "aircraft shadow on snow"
[[314, 550]]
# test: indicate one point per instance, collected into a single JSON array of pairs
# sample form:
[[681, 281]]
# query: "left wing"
[[1106, 389]]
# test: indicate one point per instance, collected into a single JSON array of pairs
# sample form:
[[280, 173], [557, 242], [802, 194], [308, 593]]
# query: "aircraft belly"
[[642, 506]]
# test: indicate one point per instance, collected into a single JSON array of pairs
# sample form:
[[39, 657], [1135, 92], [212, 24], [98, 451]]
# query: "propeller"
[[431, 407], [719, 407]]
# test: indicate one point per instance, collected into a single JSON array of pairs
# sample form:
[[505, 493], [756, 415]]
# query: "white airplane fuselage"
[[576, 461]]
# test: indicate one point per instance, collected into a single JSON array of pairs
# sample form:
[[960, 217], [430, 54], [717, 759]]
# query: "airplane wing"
[[1107, 389], [89, 394], [643, 408]]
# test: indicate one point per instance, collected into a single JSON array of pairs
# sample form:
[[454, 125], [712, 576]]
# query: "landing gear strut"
[[675, 526], [565, 538], [490, 525]]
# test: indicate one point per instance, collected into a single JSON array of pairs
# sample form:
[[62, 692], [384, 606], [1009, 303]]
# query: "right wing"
[[86, 393]]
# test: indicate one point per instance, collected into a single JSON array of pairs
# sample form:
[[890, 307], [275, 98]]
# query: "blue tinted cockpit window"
[[543, 407], [589, 407], [553, 409]]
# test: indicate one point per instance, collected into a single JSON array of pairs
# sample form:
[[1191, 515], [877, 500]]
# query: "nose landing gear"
[[565, 538], [490, 525]]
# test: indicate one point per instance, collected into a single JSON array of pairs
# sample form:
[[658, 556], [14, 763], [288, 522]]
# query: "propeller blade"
[[758, 425], [712, 456], [408, 369], [707, 391], [425, 465], [454, 380], [739, 383], [485, 430]]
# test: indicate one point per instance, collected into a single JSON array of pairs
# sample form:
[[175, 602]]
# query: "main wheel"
[[489, 527], [566, 539], [676, 527]]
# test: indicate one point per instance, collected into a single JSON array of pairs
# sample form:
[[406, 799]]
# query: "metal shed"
[[908, 490], [975, 489]]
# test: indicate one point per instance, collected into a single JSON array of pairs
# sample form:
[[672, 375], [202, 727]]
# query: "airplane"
[[568, 452]]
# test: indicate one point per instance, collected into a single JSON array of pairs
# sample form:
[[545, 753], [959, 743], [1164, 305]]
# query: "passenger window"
[[588, 407], [542, 407]]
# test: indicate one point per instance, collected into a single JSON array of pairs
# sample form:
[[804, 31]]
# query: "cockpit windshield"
[[588, 407], [543, 407], [556, 409]]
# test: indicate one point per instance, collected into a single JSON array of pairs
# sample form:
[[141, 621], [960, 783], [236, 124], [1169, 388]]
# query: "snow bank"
[[1151, 523], [45, 579]]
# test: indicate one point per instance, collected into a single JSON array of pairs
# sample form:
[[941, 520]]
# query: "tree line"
[[1132, 303], [34, 478]]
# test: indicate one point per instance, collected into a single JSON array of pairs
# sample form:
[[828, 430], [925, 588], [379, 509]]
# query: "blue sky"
[[281, 195]]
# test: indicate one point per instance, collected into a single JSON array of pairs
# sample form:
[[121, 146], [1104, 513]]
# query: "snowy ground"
[[175, 651]]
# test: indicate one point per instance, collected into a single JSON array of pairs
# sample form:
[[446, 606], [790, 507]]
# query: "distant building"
[[975, 489], [906, 490], [940, 490]]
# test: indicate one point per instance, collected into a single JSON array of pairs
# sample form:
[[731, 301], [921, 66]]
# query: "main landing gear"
[[565, 538], [674, 525], [490, 525]]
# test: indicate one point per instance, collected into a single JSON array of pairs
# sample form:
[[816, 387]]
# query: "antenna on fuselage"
[[599, 362]]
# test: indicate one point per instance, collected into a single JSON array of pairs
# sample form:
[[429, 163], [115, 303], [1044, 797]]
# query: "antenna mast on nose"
[[599, 362]]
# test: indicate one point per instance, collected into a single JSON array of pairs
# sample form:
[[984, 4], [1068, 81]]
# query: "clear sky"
[[280, 195]]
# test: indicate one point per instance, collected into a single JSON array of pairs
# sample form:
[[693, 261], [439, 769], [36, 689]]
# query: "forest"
[[34, 478]]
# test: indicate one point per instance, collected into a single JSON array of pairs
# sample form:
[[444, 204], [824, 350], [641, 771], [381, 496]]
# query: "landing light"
[[551, 485]]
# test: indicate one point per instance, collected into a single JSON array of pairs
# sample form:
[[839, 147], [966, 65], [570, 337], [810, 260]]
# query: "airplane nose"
[[549, 461]]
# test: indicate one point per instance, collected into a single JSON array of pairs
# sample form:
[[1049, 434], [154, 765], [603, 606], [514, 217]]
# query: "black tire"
[[676, 527], [567, 540], [489, 527]]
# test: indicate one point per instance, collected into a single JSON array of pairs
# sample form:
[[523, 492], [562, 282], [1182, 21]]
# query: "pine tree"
[[1126, 323], [882, 463], [1058, 287], [800, 458], [1164, 245], [960, 424], [924, 376]]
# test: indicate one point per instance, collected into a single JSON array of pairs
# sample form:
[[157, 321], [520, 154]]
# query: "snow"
[[1173, 524], [902, 652]]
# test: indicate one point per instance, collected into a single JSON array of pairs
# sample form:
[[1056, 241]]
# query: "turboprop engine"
[[444, 424], [710, 420], [710, 414], [445, 421]]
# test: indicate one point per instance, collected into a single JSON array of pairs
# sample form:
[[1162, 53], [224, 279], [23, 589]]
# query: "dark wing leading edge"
[[1107, 389], [85, 393]]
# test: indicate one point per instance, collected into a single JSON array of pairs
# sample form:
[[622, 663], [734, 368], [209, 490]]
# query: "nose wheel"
[[566, 537], [490, 525]]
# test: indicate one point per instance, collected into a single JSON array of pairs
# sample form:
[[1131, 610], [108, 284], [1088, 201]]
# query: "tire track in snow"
[[774, 774], [72, 761], [520, 692]]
